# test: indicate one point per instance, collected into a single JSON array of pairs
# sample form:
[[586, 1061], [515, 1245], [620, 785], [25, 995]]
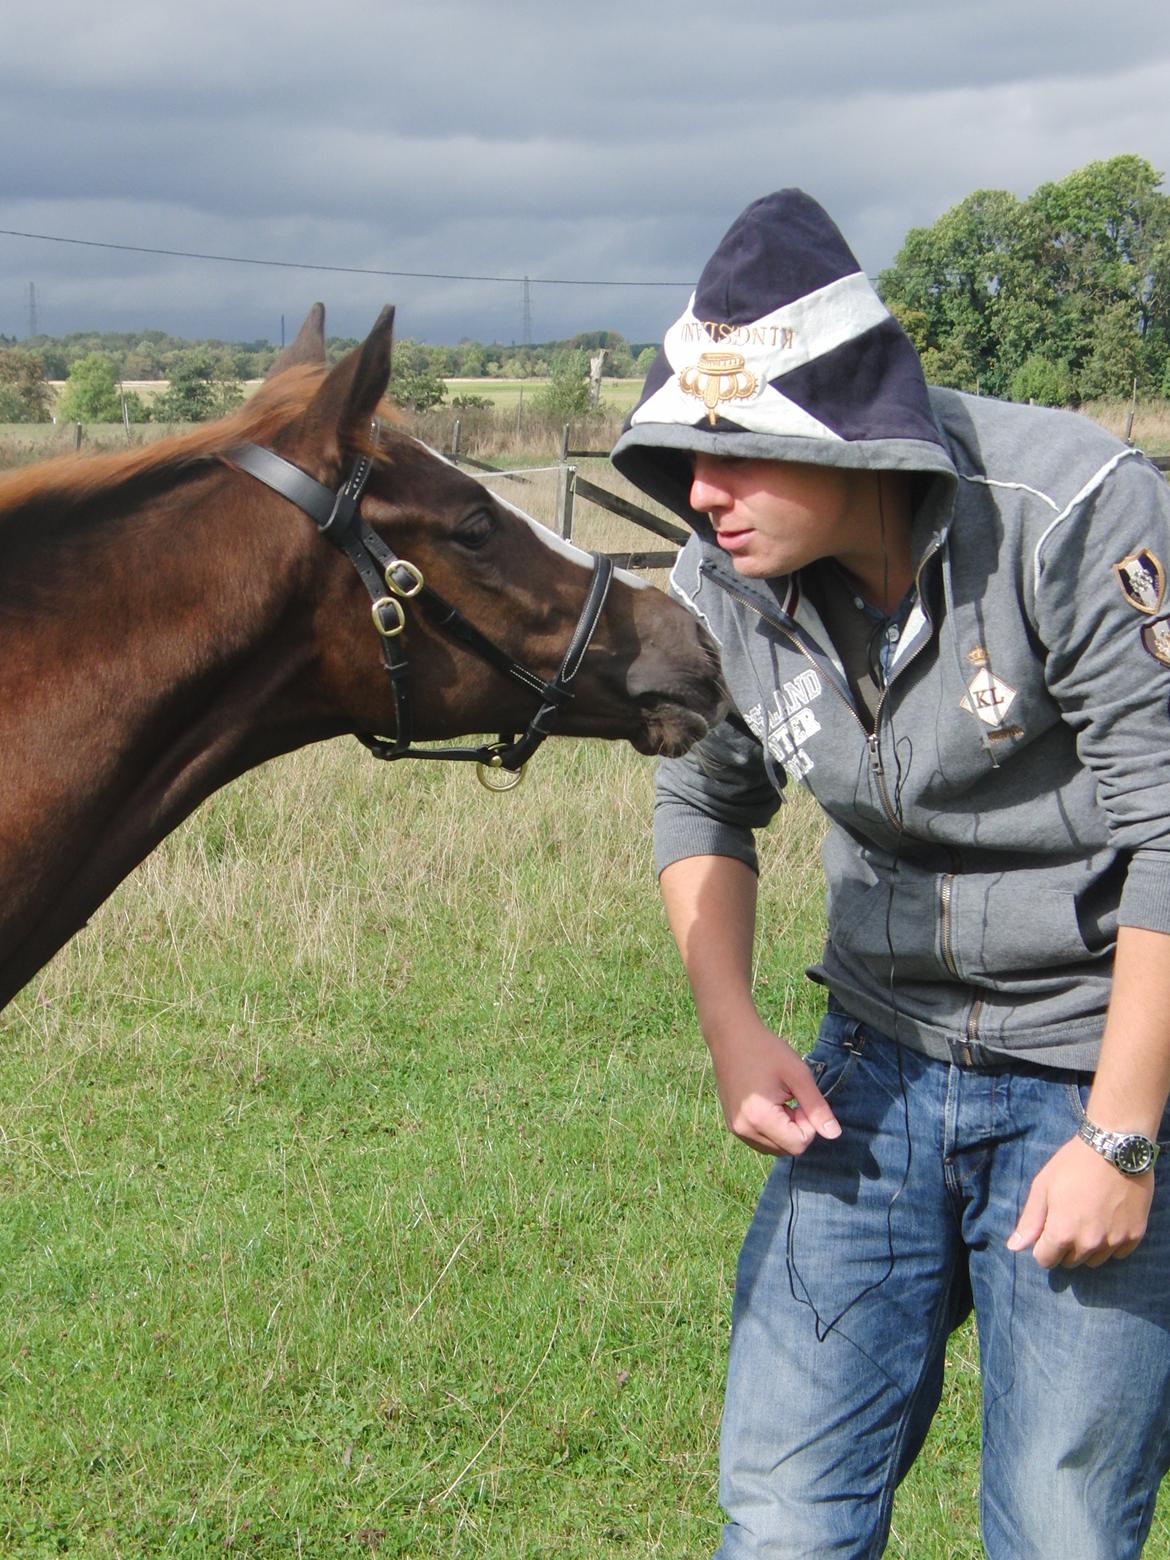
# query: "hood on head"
[[784, 352]]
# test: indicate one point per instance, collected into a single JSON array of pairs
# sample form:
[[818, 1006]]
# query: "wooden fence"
[[571, 486]]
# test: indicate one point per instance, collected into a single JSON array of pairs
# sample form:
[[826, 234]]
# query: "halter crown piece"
[[392, 581]]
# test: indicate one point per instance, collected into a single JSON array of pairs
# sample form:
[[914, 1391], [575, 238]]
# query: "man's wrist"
[[1133, 1153]]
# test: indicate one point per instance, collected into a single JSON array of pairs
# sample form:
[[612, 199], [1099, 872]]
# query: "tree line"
[[206, 379], [1061, 297]]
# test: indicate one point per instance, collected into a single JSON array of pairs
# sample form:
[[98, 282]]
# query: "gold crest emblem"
[[1142, 580], [978, 656], [716, 377]]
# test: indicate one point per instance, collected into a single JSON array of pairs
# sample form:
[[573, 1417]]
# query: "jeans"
[[865, 1254]]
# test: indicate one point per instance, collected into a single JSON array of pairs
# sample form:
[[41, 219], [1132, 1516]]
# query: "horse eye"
[[476, 529]]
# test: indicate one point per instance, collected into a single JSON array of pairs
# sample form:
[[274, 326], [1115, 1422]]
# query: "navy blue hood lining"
[[868, 391]]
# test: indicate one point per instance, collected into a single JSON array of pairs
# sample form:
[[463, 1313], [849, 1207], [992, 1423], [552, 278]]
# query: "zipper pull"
[[875, 753]]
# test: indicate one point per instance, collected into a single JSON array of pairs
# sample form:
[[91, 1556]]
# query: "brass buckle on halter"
[[416, 579], [494, 777], [376, 613]]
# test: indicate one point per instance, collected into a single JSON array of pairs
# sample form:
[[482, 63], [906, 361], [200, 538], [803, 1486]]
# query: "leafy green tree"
[[417, 390], [414, 384], [25, 394], [948, 282], [471, 360], [1044, 382], [565, 394], [1076, 277], [203, 386], [92, 392]]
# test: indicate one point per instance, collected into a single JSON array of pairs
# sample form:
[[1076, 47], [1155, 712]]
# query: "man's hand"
[[1082, 1211], [767, 1092]]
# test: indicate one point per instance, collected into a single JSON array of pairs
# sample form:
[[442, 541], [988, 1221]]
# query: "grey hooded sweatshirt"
[[1011, 806]]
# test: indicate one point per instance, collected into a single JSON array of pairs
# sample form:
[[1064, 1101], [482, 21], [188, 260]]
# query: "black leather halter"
[[392, 581]]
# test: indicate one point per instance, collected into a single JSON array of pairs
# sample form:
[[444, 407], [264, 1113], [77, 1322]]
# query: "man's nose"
[[708, 490]]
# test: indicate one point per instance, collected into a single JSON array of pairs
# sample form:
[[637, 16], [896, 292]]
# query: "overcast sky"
[[589, 142]]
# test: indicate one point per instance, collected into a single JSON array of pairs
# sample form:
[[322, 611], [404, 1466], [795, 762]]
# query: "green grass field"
[[617, 395], [365, 1190]]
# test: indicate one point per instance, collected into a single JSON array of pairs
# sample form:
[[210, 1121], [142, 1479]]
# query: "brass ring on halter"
[[494, 777], [376, 614], [416, 578]]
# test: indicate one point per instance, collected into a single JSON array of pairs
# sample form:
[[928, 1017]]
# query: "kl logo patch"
[[716, 377], [1142, 580], [987, 696]]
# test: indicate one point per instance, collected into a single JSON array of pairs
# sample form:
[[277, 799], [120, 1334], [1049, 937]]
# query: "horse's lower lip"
[[670, 731]]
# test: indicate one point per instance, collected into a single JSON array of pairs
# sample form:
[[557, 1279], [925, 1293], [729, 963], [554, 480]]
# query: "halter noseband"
[[338, 520]]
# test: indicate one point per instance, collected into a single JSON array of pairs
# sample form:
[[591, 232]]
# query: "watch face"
[[1134, 1154]]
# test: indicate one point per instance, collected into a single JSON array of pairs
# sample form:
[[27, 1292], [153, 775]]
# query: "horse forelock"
[[76, 479]]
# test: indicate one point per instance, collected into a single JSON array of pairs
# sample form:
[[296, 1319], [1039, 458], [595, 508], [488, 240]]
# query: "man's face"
[[773, 517]]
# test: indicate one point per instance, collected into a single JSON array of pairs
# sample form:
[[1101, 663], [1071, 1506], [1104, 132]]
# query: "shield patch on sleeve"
[[1142, 580], [1156, 640]]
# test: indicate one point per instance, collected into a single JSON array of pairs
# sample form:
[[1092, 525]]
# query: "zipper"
[[945, 892], [873, 749], [872, 745]]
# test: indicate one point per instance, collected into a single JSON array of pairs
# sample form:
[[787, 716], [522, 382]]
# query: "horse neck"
[[145, 659], [112, 617]]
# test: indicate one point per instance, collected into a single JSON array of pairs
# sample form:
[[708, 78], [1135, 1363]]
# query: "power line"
[[351, 270]]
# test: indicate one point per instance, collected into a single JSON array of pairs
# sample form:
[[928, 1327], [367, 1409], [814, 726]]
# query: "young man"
[[947, 617]]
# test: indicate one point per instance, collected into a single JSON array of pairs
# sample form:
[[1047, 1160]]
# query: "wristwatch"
[[1129, 1152]]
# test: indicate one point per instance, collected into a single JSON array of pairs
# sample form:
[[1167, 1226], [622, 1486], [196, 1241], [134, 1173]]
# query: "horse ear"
[[349, 394], [309, 346]]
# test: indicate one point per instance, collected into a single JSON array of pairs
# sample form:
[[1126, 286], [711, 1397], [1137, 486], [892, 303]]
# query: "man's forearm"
[[1133, 1075], [768, 1094], [711, 906]]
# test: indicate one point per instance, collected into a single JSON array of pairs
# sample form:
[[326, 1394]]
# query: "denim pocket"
[[831, 1063]]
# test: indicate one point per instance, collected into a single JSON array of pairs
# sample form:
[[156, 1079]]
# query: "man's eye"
[[476, 529]]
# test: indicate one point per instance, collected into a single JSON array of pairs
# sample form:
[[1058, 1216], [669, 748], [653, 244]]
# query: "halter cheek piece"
[[392, 581]]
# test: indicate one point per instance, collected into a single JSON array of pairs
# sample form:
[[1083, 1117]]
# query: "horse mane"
[[74, 479]]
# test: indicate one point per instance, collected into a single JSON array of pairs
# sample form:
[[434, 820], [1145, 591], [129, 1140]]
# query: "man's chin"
[[753, 568]]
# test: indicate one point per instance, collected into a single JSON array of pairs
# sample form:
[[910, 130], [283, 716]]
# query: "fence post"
[[77, 436], [566, 477], [565, 442], [455, 441]]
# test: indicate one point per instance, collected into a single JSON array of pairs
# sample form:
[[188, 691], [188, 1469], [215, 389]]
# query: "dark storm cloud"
[[609, 141]]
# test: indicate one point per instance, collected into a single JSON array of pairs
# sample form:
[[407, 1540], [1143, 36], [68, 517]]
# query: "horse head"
[[649, 673]]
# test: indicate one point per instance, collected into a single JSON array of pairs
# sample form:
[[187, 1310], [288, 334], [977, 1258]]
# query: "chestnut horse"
[[170, 619]]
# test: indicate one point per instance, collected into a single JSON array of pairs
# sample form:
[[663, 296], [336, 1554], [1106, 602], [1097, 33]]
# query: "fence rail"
[[571, 485]]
